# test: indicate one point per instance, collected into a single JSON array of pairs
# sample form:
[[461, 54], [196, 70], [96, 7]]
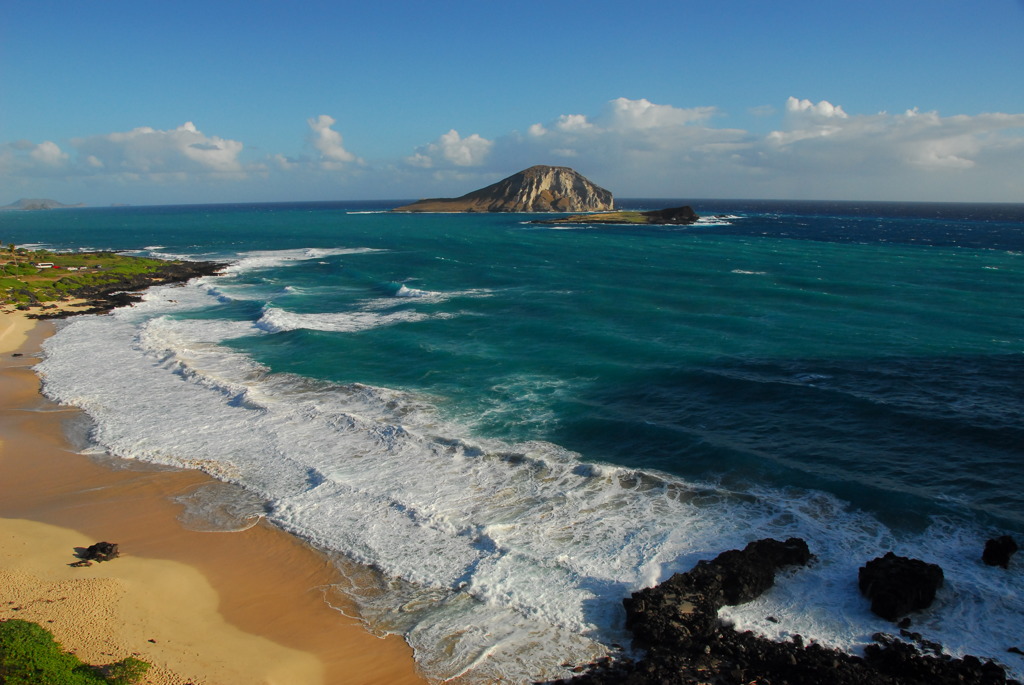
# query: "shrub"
[[29, 655], [126, 671]]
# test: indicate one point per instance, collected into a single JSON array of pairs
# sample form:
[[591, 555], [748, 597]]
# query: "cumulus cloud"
[[285, 163], [625, 114], [25, 158], [636, 148], [823, 109], [48, 153], [328, 142], [451, 149], [880, 141], [640, 148], [149, 151], [573, 122]]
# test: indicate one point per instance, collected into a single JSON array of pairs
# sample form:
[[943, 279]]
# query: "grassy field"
[[24, 282]]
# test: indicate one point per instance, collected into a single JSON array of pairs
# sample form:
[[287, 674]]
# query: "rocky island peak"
[[539, 188]]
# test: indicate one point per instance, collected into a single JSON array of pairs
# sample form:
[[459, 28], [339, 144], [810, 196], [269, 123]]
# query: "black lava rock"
[[999, 550], [686, 643], [898, 585]]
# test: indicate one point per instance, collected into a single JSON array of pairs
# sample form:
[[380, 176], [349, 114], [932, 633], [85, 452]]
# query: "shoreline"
[[215, 608]]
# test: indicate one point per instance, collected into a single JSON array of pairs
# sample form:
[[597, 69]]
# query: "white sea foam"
[[977, 611], [405, 291], [276, 320], [505, 560], [273, 258]]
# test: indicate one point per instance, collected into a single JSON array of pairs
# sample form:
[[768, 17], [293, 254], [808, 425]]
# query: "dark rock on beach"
[[101, 551], [687, 644], [999, 550], [897, 585]]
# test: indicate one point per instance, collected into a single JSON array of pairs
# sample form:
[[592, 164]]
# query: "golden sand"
[[214, 608]]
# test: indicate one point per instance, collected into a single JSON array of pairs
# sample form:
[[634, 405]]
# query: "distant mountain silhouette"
[[37, 203]]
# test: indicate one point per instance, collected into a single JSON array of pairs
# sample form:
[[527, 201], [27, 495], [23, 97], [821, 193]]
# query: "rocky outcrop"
[[673, 216], [686, 643], [537, 189], [999, 550], [684, 609], [898, 585]]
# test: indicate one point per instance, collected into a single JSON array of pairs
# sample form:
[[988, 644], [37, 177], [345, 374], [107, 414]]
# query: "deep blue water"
[[586, 409]]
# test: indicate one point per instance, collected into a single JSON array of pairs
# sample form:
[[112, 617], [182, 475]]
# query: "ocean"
[[510, 426]]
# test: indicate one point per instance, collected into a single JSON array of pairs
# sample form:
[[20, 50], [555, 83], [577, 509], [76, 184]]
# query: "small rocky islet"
[[537, 189], [556, 189]]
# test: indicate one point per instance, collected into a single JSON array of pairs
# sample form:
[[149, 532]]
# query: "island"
[[673, 216], [537, 189], [33, 204]]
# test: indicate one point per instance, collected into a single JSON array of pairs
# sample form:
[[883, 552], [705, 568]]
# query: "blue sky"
[[224, 101]]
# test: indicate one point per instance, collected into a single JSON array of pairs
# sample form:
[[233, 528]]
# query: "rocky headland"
[[537, 189], [107, 290]]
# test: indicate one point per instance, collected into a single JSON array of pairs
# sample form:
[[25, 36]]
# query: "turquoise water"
[[488, 410]]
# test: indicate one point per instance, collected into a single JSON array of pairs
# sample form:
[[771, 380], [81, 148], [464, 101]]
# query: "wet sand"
[[215, 608]]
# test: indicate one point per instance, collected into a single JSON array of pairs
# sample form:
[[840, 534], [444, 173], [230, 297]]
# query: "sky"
[[142, 102]]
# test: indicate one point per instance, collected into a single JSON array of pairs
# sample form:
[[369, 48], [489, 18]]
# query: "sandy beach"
[[213, 608]]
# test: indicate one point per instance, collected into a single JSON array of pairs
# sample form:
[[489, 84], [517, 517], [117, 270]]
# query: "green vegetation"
[[23, 283], [29, 655], [604, 218], [126, 671]]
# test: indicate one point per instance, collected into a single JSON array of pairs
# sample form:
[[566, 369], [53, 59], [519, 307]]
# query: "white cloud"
[[625, 114], [572, 122], [27, 159], [328, 142], [161, 154], [883, 142], [285, 163], [451, 149], [639, 148], [823, 109], [48, 153], [635, 148]]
